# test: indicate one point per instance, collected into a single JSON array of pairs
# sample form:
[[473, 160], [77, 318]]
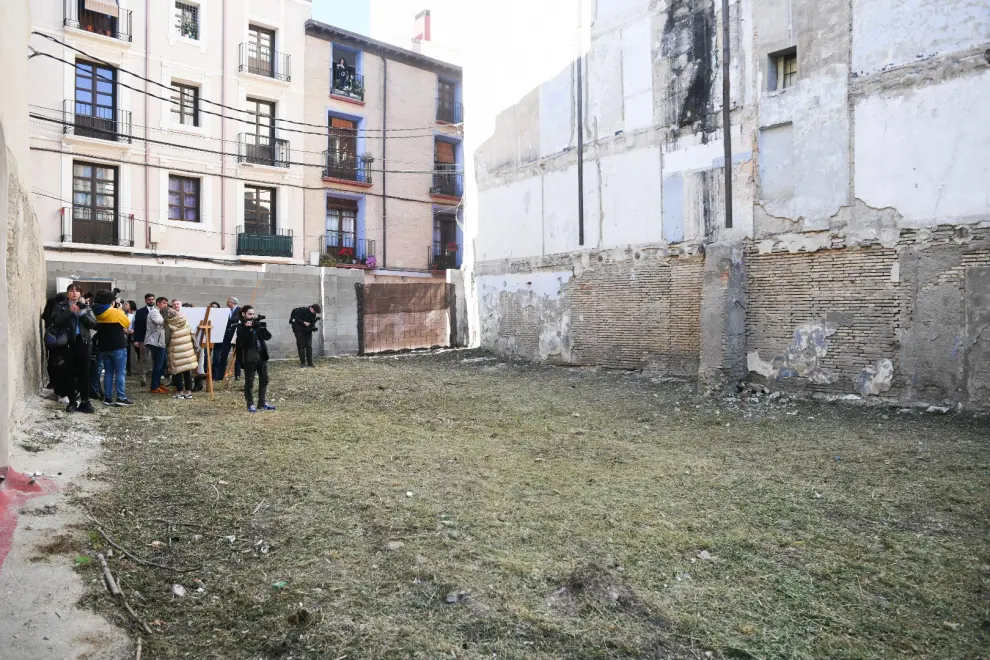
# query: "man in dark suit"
[[221, 356], [140, 329]]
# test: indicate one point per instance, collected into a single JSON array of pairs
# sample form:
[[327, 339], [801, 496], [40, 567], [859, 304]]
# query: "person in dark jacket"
[[140, 328], [221, 355], [78, 320], [59, 374], [253, 353], [111, 341], [303, 321]]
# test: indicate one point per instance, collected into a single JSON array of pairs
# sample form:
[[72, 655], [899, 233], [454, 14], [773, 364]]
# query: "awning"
[[108, 7]]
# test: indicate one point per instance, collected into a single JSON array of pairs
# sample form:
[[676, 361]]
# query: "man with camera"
[[76, 319], [303, 321], [252, 334]]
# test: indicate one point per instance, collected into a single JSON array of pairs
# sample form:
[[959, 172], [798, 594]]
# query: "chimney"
[[421, 31]]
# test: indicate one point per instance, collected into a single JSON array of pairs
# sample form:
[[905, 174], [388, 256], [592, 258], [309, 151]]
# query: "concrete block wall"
[[276, 292]]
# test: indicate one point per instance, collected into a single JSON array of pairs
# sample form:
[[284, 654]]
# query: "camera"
[[260, 322]]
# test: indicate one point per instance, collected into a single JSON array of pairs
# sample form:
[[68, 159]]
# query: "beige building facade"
[[389, 197], [165, 130]]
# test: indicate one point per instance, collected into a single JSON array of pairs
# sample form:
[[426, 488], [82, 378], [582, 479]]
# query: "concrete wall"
[[276, 291], [855, 261], [21, 259]]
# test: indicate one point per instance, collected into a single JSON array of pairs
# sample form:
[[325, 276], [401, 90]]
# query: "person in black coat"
[[77, 319], [221, 355], [140, 329], [303, 321], [252, 350]]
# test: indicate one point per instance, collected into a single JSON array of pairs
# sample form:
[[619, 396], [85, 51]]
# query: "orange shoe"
[[161, 390]]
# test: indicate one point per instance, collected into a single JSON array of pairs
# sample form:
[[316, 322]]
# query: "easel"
[[204, 340]]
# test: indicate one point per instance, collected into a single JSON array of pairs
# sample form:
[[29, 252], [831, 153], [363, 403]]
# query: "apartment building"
[[389, 195], [163, 130]]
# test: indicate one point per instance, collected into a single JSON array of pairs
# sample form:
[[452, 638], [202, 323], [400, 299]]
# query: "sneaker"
[[252, 409], [72, 407], [86, 407], [267, 407], [108, 402], [187, 395], [64, 400], [179, 396], [124, 401]]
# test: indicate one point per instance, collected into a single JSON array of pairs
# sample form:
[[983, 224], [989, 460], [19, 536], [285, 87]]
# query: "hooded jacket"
[[110, 325], [183, 349], [154, 334]]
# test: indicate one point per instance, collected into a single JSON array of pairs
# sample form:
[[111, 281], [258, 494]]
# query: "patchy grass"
[[428, 507]]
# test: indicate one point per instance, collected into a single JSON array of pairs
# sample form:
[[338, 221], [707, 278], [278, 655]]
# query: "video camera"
[[260, 322]]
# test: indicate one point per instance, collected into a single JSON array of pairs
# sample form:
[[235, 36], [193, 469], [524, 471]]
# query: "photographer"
[[77, 320], [252, 333], [303, 321]]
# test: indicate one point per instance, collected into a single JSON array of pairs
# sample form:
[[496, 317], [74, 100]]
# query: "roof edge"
[[318, 29]]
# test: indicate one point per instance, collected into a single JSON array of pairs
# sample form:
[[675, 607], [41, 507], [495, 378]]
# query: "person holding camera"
[[303, 321], [76, 320], [111, 340], [252, 350]]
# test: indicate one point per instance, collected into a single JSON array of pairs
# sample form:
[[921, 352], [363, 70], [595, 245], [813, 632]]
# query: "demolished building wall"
[[855, 261]]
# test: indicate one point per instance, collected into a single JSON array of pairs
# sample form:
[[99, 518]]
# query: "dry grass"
[[545, 513]]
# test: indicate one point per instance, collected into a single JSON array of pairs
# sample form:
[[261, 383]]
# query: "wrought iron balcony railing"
[[450, 184], [450, 112], [253, 242], [442, 257], [84, 225], [347, 84], [79, 17], [344, 249], [347, 166], [87, 120], [265, 62], [262, 150]]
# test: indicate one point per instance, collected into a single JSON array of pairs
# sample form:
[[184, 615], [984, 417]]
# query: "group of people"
[[87, 335]]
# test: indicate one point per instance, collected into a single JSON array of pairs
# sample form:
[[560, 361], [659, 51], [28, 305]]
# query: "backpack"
[[56, 337]]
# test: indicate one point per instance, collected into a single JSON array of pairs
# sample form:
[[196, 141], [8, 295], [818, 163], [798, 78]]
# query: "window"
[[445, 245], [446, 178], [183, 198], [261, 51], [259, 211], [782, 70], [448, 109], [94, 204], [341, 226], [187, 19], [96, 101], [185, 104], [346, 81]]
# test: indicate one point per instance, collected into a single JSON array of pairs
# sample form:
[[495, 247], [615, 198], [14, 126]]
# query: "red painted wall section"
[[15, 490]]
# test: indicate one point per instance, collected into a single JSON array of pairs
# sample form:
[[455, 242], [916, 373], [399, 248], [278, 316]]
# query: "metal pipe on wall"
[[726, 114], [223, 129], [384, 141], [580, 130], [147, 122]]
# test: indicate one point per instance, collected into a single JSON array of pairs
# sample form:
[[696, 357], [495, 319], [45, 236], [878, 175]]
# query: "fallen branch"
[[178, 523], [257, 508], [111, 583], [137, 651], [137, 619], [218, 492], [143, 562]]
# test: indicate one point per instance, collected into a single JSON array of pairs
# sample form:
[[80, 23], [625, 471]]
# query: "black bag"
[[56, 338]]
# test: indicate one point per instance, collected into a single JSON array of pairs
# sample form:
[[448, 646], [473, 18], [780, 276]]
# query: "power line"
[[238, 178], [166, 131], [220, 105], [224, 153]]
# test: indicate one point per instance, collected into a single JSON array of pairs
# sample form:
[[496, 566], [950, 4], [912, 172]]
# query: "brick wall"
[[395, 317], [647, 315], [276, 292]]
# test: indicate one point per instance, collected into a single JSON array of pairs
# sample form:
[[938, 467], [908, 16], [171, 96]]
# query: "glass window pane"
[[189, 185], [191, 215], [80, 198], [83, 185], [173, 183], [173, 198], [104, 200], [173, 212]]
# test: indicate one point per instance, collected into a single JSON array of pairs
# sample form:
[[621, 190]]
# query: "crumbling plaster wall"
[[21, 257]]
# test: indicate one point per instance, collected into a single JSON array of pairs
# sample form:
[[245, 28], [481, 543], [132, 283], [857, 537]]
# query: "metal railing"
[[450, 184], [350, 85], [450, 112], [80, 18], [347, 166], [440, 258], [87, 120], [346, 249], [83, 225], [278, 244], [265, 62], [262, 150]]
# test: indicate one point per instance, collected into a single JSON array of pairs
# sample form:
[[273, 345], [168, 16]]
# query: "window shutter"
[[336, 122], [445, 152]]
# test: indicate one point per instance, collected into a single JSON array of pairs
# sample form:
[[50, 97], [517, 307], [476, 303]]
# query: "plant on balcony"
[[346, 255], [452, 248], [371, 262], [328, 260], [190, 29]]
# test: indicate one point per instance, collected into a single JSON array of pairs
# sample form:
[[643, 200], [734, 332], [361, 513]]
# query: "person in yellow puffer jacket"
[[183, 351]]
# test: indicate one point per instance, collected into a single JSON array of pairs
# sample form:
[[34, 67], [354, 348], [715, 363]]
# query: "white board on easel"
[[218, 320]]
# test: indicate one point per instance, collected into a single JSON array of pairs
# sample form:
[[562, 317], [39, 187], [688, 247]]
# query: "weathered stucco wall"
[[21, 258], [854, 264]]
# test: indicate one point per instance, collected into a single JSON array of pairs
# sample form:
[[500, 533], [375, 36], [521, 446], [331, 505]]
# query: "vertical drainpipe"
[[147, 122], [223, 130], [384, 190], [580, 131], [726, 114]]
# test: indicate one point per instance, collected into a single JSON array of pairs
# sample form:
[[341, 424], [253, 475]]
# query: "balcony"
[[349, 85], [344, 251], [101, 123], [443, 257], [448, 184], [262, 150], [84, 226], [345, 166], [78, 16], [278, 244], [449, 112], [264, 62]]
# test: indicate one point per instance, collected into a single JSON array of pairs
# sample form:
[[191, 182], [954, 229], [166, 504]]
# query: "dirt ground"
[[457, 506]]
